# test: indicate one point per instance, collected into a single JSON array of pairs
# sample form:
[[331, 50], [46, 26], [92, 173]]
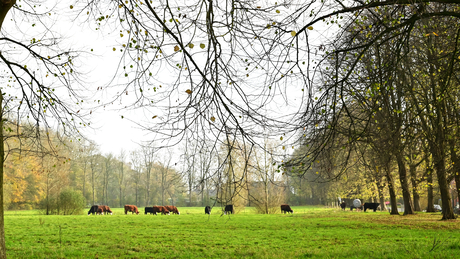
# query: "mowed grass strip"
[[310, 232]]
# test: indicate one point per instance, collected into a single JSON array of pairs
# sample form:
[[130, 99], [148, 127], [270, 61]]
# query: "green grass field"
[[311, 232]]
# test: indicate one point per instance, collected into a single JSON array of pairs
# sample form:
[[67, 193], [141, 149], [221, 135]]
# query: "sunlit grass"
[[311, 232]]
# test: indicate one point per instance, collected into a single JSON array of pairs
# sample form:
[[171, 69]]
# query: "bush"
[[71, 202], [68, 202]]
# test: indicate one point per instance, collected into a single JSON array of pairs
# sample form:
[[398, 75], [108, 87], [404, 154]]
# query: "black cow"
[[207, 210], [150, 210], [229, 209], [343, 205], [286, 208], [371, 205], [93, 209]]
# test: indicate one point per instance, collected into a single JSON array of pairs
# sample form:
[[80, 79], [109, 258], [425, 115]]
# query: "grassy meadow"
[[311, 232]]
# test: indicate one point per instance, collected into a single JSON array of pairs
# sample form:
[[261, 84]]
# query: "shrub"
[[68, 202], [71, 202]]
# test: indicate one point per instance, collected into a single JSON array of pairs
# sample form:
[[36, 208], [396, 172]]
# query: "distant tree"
[[121, 175], [135, 174]]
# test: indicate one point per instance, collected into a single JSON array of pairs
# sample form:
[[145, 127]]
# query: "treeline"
[[37, 177], [34, 177]]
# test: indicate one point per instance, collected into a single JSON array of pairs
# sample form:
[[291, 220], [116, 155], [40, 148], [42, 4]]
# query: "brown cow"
[[131, 208], [103, 208], [156, 209], [286, 208], [161, 209], [172, 209]]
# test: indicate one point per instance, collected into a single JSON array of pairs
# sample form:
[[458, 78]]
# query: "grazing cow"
[[343, 205], [104, 208], [161, 209], [229, 209], [172, 209], [207, 210], [131, 208], [93, 209], [371, 205], [150, 210], [156, 209], [286, 208]]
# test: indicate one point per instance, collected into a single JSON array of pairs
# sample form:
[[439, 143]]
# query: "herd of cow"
[[285, 208], [103, 209]]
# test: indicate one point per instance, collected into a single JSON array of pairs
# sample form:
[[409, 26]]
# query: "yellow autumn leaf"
[[213, 119], [310, 28], [293, 33], [71, 7], [202, 45], [176, 48], [435, 34], [281, 138], [188, 91], [190, 45], [277, 11], [154, 117]]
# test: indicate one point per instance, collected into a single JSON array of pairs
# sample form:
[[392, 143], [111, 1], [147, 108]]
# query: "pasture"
[[311, 232]]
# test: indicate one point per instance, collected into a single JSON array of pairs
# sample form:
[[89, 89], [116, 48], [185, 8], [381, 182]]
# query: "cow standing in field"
[[93, 209], [131, 208], [104, 209], [286, 208], [371, 205], [207, 210], [229, 209], [156, 209], [150, 210], [172, 209]]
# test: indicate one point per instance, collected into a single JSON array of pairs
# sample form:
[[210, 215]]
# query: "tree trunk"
[[266, 196], [5, 6], [381, 197], [456, 167], [393, 204], [84, 183], [2, 161], [440, 167], [415, 195], [404, 186]]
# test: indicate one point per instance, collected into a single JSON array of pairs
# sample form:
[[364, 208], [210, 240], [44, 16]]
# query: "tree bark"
[[5, 6], [2, 161], [381, 198], [456, 167], [404, 186], [394, 206], [440, 167], [415, 194]]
